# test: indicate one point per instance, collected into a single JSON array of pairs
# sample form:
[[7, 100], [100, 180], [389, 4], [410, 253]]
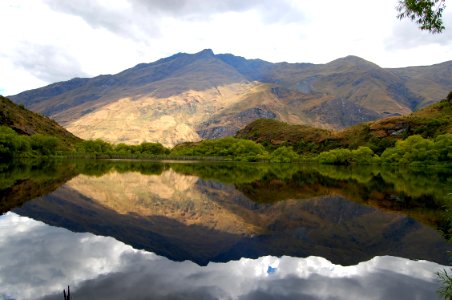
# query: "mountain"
[[188, 97], [429, 121], [26, 122]]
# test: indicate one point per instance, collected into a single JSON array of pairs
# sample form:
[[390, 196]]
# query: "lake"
[[192, 230]]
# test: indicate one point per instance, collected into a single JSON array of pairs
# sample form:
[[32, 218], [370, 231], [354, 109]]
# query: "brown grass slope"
[[26, 122]]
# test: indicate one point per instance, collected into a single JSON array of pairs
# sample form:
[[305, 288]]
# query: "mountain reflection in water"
[[38, 261], [281, 230]]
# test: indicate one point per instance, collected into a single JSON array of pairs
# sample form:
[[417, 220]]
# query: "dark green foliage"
[[426, 13], [97, 146], [14, 145], [153, 149], [446, 289], [378, 145], [101, 148], [229, 148], [44, 145]]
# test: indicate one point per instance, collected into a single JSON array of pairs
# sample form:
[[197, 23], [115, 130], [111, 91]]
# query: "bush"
[[229, 147], [363, 156], [416, 150], [283, 155], [44, 145], [97, 146], [336, 157]]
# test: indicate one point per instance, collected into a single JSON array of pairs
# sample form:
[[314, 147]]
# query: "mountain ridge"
[[207, 95]]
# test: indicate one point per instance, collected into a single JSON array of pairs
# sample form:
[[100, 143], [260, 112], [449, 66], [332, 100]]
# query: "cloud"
[[407, 35], [104, 37], [141, 18], [103, 13], [38, 261], [46, 62]]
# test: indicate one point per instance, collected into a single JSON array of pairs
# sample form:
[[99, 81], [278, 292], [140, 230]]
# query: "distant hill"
[[188, 97], [27, 122], [430, 121]]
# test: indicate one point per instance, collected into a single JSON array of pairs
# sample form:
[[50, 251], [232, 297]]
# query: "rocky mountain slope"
[[187, 97]]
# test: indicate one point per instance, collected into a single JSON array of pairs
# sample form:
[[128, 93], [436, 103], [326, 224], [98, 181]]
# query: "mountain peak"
[[352, 61], [205, 53]]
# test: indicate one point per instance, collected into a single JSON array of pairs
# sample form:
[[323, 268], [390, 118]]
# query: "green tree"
[[12, 144], [416, 150], [363, 156], [283, 155], [229, 147], [43, 144], [443, 145], [426, 13], [152, 148], [97, 146]]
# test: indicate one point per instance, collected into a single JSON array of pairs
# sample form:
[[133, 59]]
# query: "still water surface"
[[143, 230]]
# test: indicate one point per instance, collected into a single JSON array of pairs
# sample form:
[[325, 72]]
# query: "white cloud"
[[88, 38], [38, 261]]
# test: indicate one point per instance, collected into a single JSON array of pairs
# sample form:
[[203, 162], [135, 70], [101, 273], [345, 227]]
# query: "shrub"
[[284, 155]]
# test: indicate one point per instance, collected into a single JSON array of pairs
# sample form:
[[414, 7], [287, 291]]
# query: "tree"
[[284, 155], [44, 144], [427, 13], [363, 156]]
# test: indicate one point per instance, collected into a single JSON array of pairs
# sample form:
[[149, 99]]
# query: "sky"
[[46, 41]]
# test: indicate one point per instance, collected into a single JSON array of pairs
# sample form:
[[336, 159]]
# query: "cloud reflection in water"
[[37, 261]]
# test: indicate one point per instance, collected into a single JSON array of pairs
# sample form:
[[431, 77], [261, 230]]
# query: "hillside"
[[27, 122], [188, 97], [430, 121]]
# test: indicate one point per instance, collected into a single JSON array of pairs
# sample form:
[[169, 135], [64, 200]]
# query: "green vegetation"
[[14, 145], [283, 155], [228, 148], [413, 151], [428, 122], [421, 138], [416, 150], [427, 13], [362, 155], [26, 122], [100, 147]]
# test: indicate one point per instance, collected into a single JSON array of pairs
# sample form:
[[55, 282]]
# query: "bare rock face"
[[215, 128], [188, 97]]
